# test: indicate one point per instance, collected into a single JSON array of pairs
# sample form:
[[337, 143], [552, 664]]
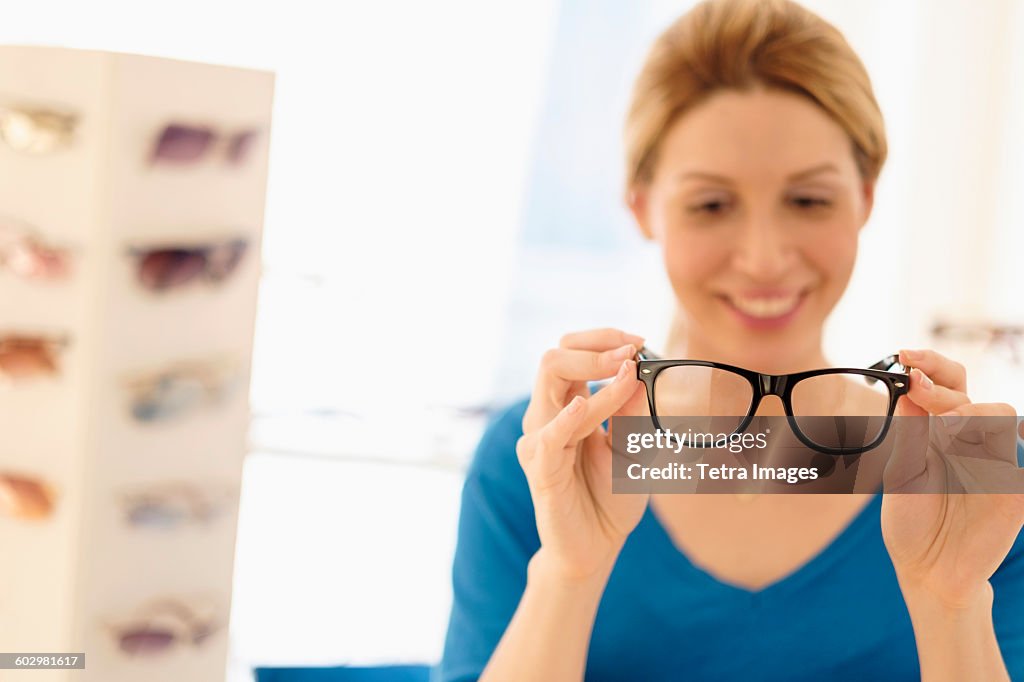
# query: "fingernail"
[[950, 419], [575, 405], [624, 370], [626, 352], [926, 383], [912, 354]]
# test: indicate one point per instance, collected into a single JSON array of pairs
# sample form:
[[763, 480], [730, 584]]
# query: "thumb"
[[905, 407]]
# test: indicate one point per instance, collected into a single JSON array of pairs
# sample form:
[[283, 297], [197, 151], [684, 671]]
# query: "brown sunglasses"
[[24, 497], [23, 356]]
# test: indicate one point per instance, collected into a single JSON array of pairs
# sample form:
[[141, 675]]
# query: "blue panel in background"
[[574, 190], [393, 673]]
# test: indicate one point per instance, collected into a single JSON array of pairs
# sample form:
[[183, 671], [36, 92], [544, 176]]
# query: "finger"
[[541, 452], [941, 369], [932, 397], [563, 375], [983, 477], [990, 427], [585, 365], [637, 405], [555, 458], [979, 410], [907, 467], [610, 399], [975, 448], [600, 339], [559, 432], [905, 407]]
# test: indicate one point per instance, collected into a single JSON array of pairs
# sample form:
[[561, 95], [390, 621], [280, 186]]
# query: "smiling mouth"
[[775, 308]]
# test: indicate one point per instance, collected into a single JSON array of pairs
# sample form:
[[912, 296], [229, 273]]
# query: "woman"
[[753, 146]]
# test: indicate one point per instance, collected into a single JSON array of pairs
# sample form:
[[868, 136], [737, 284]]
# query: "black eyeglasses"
[[837, 411]]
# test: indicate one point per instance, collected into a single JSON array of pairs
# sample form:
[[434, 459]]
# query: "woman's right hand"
[[567, 457]]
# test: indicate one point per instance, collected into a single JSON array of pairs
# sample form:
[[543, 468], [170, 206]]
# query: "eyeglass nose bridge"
[[772, 384]]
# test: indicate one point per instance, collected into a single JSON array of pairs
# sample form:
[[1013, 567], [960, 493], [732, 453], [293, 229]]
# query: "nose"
[[764, 251]]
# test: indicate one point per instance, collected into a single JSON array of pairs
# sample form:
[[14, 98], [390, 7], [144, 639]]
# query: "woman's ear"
[[868, 200], [637, 200]]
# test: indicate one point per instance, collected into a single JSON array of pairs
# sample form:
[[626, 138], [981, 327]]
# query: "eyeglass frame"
[[190, 627], [58, 125], [207, 251], [51, 345], [218, 142], [204, 503], [994, 333], [15, 233], [649, 366]]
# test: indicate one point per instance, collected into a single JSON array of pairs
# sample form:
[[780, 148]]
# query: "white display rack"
[[72, 581]]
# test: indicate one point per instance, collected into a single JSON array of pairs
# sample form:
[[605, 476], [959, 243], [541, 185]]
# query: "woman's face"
[[756, 202]]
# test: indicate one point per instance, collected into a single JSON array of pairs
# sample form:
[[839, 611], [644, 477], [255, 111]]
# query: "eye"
[[713, 207], [806, 202]]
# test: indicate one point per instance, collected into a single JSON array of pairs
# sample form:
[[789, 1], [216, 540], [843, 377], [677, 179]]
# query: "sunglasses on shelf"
[[161, 268], [24, 253], [175, 504], [161, 626], [25, 497], [24, 356], [180, 143], [859, 403], [983, 336], [36, 130], [182, 388]]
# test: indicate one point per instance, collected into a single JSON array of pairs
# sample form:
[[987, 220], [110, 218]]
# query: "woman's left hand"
[[947, 546]]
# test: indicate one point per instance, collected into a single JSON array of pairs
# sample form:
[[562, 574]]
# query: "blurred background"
[[444, 202]]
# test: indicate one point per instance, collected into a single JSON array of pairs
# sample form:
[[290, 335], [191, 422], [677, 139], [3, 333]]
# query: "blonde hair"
[[740, 44]]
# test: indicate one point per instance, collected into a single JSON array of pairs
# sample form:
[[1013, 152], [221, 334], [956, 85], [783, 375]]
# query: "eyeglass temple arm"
[[886, 364], [646, 354]]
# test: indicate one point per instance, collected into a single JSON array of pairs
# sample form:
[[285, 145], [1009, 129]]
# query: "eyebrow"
[[800, 175]]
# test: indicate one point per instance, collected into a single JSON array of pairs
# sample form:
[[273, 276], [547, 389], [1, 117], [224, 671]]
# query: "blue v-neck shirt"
[[841, 616]]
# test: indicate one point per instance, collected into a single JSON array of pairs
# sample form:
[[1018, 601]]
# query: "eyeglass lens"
[[840, 410], [25, 498], [718, 399], [239, 145], [179, 143], [22, 357], [174, 393], [170, 397], [34, 131], [146, 641], [167, 268]]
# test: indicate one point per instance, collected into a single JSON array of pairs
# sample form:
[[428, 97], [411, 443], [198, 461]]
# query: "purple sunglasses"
[[179, 143]]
